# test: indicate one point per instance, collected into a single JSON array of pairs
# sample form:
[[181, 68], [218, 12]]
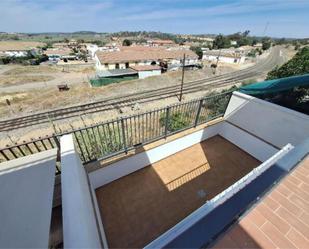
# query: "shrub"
[[176, 121]]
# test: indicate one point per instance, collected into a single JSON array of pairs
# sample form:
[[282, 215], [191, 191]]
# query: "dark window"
[[127, 64], [106, 64], [117, 65]]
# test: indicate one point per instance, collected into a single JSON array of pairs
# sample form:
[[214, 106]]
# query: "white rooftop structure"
[[182, 190]]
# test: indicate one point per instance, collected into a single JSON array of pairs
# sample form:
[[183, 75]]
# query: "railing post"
[[123, 136], [198, 112], [166, 121]]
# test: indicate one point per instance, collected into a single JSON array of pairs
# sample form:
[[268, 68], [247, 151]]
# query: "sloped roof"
[[140, 53]]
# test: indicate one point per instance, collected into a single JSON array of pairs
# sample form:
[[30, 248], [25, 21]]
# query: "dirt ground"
[[25, 101], [45, 97]]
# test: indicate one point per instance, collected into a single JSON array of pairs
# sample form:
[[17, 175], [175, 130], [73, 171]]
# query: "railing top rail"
[[143, 113]]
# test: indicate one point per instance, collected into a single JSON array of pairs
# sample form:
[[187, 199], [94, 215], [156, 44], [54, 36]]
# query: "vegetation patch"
[[297, 97]]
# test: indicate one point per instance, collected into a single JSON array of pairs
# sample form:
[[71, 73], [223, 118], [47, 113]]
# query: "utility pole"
[[265, 29], [218, 58], [183, 75]]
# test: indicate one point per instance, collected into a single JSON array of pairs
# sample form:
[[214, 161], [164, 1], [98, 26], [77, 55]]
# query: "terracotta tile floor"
[[279, 220], [139, 207]]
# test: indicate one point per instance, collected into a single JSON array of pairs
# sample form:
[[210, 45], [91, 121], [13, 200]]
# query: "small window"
[[127, 64], [117, 66]]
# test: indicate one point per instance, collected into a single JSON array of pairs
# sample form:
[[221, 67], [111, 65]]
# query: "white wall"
[[145, 74], [164, 239], [223, 59], [80, 227], [252, 145], [273, 123], [26, 195], [124, 167]]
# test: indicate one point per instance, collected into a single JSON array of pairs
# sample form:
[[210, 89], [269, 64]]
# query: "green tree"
[[298, 65], [126, 42], [295, 98], [198, 51], [221, 41], [266, 43]]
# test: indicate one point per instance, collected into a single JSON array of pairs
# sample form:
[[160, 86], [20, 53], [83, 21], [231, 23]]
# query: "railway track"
[[144, 96]]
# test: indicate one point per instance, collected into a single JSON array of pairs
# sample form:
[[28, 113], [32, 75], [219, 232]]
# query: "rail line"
[[144, 96]]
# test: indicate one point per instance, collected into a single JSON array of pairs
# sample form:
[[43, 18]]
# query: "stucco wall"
[[252, 145], [247, 142], [273, 123], [145, 74], [224, 59], [26, 195], [80, 217], [124, 167]]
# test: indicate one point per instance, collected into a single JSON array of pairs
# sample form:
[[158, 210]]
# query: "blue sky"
[[287, 18]]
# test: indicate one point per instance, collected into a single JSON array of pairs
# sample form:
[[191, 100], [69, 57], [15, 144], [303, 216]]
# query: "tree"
[[198, 51], [266, 44], [126, 42], [221, 41], [295, 98], [298, 65]]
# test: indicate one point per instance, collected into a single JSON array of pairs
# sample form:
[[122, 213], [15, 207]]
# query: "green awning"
[[277, 85]]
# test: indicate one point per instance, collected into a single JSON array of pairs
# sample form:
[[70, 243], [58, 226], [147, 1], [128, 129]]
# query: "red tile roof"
[[142, 53], [279, 220]]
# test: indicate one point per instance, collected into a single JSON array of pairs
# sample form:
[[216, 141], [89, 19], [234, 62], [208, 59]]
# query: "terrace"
[[163, 178], [163, 193]]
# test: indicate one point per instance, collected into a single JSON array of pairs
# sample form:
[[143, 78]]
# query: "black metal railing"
[[26, 148], [102, 140]]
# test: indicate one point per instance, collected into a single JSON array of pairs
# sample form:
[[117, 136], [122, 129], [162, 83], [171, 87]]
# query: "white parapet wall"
[[258, 127], [273, 123], [247, 142], [26, 196], [82, 226], [163, 240], [129, 165]]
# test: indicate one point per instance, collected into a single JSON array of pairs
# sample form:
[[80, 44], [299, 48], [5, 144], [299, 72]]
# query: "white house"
[[147, 71], [233, 43], [19, 49], [56, 54], [222, 56], [127, 57]]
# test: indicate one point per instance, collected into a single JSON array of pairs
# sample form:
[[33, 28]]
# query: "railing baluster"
[[13, 153], [100, 140], [198, 113], [4, 155], [124, 136], [166, 121]]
